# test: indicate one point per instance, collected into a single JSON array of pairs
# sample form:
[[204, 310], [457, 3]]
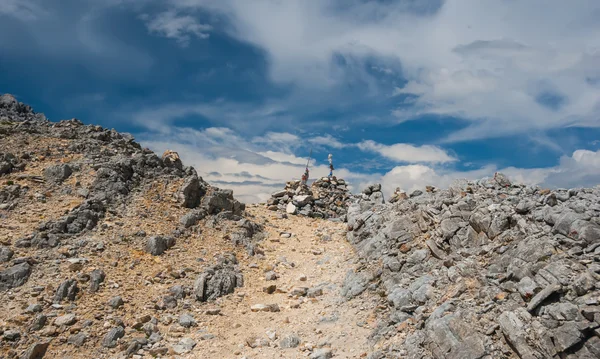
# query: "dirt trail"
[[316, 250]]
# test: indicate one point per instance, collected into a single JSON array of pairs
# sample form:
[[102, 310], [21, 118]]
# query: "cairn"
[[325, 198]]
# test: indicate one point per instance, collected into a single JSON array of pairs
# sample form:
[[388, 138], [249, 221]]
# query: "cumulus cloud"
[[402, 152], [485, 61], [173, 25]]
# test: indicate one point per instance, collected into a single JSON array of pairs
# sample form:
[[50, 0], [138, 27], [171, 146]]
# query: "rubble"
[[457, 264], [325, 198]]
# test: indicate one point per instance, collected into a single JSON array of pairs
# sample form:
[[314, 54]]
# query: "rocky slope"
[[99, 238], [485, 269]]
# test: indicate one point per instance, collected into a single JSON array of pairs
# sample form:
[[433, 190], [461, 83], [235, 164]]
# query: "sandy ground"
[[316, 251]]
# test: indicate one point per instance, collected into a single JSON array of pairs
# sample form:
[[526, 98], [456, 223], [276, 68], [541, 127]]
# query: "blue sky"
[[406, 93]]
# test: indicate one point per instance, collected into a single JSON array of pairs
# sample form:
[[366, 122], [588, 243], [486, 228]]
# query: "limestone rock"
[[158, 245], [111, 338], [14, 276]]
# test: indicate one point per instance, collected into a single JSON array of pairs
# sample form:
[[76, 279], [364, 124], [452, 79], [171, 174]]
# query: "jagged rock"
[[83, 217], [33, 308], [270, 275], [191, 193], [185, 345], [191, 218], [116, 302], [354, 284], [177, 292], [158, 245], [514, 326], [111, 338], [171, 159], [566, 336], [5, 254], [314, 292], [67, 290], [542, 295], [77, 339], [502, 180], [11, 335], [220, 200], [187, 321], [38, 322], [218, 280], [14, 276], [527, 287], [97, 276], [36, 351], [452, 337], [526, 253], [58, 173]]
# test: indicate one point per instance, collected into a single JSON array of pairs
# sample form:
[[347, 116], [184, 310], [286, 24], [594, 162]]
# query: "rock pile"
[[485, 269], [325, 198], [13, 110]]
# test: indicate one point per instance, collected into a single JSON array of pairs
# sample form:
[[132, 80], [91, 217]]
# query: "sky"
[[405, 93]]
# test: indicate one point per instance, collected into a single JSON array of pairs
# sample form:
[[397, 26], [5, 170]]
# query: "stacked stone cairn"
[[325, 198]]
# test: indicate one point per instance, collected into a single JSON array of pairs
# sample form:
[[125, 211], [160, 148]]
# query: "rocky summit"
[[108, 250]]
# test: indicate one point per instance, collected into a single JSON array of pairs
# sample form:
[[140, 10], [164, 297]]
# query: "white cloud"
[[21, 9], [327, 141], [481, 60], [416, 177], [172, 25], [281, 140], [402, 152], [284, 157], [246, 118]]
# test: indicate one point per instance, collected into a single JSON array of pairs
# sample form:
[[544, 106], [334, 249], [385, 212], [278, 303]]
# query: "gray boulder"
[[187, 321], [77, 339], [452, 337], [111, 338], [97, 276], [218, 280], [158, 245], [14, 276], [191, 192], [36, 351], [116, 302], [355, 283], [5, 254], [192, 217], [184, 346], [58, 173], [220, 200], [67, 290]]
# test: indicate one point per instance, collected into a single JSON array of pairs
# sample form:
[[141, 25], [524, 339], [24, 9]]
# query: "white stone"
[[291, 208]]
